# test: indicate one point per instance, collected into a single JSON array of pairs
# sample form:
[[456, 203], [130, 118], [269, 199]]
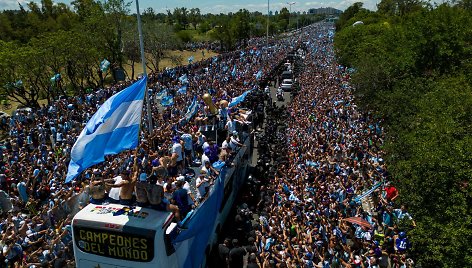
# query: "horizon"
[[215, 6]]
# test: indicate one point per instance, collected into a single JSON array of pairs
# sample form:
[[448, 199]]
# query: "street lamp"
[[143, 59], [290, 14], [267, 32]]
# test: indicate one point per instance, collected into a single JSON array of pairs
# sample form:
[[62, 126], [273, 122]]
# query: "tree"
[[349, 13], [195, 17], [283, 18], [181, 18], [413, 69], [131, 49], [240, 28], [22, 64], [159, 39]]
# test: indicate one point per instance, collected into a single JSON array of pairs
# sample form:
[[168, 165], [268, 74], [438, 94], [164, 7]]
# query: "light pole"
[[290, 14], [143, 59], [267, 32]]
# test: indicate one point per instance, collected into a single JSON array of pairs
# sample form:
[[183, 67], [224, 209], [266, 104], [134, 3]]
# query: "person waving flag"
[[112, 129]]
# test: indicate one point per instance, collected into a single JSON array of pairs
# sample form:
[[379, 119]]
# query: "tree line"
[[51, 49], [412, 66]]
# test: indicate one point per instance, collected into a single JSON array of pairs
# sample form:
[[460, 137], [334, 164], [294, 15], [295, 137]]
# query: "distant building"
[[324, 11]]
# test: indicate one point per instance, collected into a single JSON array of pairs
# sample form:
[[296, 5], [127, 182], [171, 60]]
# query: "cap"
[[181, 178]]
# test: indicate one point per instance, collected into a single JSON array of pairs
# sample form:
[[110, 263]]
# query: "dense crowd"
[[316, 157], [38, 206], [332, 154]]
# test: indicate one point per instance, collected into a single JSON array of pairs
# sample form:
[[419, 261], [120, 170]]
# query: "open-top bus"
[[117, 236]]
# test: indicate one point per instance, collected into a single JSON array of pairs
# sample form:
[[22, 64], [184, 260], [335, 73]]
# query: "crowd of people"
[[332, 153], [302, 205], [37, 205]]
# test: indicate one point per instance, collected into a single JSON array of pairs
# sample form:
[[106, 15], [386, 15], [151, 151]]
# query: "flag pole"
[[143, 59]]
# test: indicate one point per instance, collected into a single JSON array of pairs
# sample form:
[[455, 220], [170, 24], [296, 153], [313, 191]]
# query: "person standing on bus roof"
[[97, 188], [126, 187], [180, 198]]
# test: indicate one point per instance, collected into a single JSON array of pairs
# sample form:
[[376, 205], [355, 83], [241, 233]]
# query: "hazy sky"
[[220, 6]]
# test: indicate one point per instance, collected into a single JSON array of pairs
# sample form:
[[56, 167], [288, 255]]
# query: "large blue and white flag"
[[112, 129], [167, 101], [239, 99]]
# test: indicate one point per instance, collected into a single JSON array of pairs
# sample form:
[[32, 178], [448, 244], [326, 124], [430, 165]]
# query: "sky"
[[221, 6]]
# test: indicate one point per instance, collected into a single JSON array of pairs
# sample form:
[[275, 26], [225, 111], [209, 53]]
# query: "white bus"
[[116, 236], [113, 235]]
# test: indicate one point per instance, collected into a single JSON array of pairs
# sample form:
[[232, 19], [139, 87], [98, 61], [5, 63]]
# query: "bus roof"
[[114, 216]]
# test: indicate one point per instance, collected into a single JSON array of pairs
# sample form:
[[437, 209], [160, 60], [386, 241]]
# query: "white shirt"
[[231, 125], [201, 189], [233, 143], [189, 192], [205, 145], [177, 149], [225, 144], [115, 192], [205, 159]]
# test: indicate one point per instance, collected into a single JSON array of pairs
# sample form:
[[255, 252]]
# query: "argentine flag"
[[182, 90], [192, 109], [259, 75], [183, 79], [111, 130], [233, 73], [104, 65], [237, 100]]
